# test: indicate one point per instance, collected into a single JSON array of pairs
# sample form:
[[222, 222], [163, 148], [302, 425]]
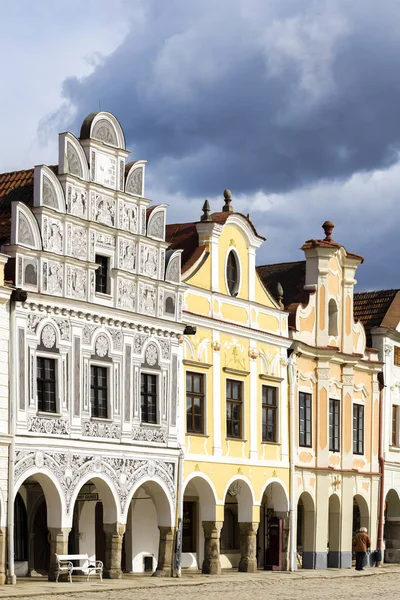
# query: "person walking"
[[362, 543]]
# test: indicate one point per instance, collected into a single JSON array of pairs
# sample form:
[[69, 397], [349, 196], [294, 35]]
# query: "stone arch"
[[48, 190], [360, 512], [391, 532], [245, 497], [161, 497], [134, 177], [306, 530], [334, 537], [278, 494], [206, 492], [25, 229], [274, 504], [111, 504], [105, 127], [52, 491]]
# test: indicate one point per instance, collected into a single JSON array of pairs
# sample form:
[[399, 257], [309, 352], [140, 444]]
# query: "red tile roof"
[[371, 307], [184, 236], [17, 185], [291, 276]]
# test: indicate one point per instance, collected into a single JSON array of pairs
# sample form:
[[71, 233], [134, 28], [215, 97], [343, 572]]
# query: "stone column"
[[3, 560], [248, 547], [58, 545], [114, 535], [165, 552], [212, 533]]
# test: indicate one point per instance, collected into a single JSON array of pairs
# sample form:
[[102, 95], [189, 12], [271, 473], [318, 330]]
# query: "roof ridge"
[[17, 171]]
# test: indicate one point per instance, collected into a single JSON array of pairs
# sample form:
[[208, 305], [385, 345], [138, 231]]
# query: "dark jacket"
[[361, 542]]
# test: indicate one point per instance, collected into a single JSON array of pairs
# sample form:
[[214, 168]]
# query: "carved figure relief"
[[160, 302], [33, 322], [148, 261], [110, 431], [73, 162], [126, 294], [147, 300], [25, 233], [49, 426], [53, 235], [165, 348], [138, 342], [134, 185], [105, 241], [76, 282], [103, 209], [79, 243], [142, 434], [52, 277], [127, 255], [76, 201], [128, 217], [49, 196], [156, 226], [88, 332], [101, 346], [48, 336], [116, 337], [64, 328], [104, 131]]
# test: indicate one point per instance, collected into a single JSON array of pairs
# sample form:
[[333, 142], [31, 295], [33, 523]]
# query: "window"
[[230, 534], [304, 419], [234, 401], [46, 384], [102, 274], [358, 429], [397, 356], [189, 527], [232, 273], [395, 425], [98, 392], [149, 398], [332, 318], [194, 403], [269, 413], [334, 425]]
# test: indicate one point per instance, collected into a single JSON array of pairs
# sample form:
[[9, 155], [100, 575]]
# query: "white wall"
[[143, 533], [87, 530]]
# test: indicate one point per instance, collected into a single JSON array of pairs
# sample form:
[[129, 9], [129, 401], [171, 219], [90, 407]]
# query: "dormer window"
[[332, 318], [232, 274]]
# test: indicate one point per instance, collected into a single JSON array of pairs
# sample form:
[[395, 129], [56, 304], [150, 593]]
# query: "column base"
[[315, 560], [339, 560], [211, 567], [248, 565], [113, 574], [162, 573]]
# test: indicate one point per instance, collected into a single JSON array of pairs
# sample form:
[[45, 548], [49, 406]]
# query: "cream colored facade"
[[234, 481], [336, 401]]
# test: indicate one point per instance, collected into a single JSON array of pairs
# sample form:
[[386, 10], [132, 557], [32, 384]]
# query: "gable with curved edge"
[[173, 268], [104, 127], [156, 223], [134, 182], [25, 228], [71, 157], [47, 190]]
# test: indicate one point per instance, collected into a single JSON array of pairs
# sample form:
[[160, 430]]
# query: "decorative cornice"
[[194, 363], [235, 371]]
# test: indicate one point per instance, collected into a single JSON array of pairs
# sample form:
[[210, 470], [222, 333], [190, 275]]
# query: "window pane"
[[189, 383]]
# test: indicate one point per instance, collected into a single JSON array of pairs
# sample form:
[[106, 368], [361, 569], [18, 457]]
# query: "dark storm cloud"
[[255, 95]]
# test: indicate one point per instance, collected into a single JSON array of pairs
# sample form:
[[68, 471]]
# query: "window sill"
[[394, 448], [43, 413], [152, 425], [304, 446], [270, 443], [203, 435], [234, 439], [102, 419], [102, 295]]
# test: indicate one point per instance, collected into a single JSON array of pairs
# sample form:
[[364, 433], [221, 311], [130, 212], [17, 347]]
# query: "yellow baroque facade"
[[235, 422], [334, 391]]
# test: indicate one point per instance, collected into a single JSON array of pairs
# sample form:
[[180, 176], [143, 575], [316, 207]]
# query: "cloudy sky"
[[292, 104]]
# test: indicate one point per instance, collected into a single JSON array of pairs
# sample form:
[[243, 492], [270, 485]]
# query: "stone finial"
[[279, 294], [206, 211], [228, 200], [328, 228]]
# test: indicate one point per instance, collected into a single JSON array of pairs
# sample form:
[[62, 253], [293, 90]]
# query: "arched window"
[[333, 318], [232, 274]]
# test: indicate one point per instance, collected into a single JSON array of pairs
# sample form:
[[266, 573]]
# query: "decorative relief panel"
[[76, 282], [102, 346], [88, 332], [174, 269], [110, 431], [76, 241], [69, 468], [53, 277], [138, 342], [64, 328], [25, 233], [76, 201], [165, 348], [134, 184], [151, 355], [143, 220], [48, 336], [117, 337], [141, 434], [49, 196], [49, 426], [104, 132], [148, 261], [52, 235], [33, 322], [103, 209], [105, 240], [128, 217], [160, 302], [127, 255], [126, 297], [156, 225], [73, 163], [147, 299]]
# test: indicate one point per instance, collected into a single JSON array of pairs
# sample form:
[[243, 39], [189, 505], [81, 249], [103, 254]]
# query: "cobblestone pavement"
[[304, 585]]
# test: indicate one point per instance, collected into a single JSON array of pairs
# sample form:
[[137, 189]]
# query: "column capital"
[[212, 528]]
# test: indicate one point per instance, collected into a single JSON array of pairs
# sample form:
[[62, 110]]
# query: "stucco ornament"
[[101, 346], [48, 336], [151, 355]]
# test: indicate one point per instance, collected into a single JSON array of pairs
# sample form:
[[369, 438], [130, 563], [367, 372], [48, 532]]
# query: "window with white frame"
[[46, 384], [148, 397], [99, 391]]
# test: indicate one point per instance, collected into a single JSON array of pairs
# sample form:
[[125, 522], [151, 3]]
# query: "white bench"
[[65, 564]]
